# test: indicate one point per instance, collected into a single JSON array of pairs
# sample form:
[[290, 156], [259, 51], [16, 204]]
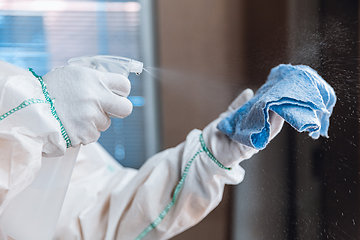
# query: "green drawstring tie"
[[178, 187], [52, 107], [210, 155], [21, 106]]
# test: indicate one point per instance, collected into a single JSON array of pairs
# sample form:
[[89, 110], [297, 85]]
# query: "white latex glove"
[[228, 152], [84, 99]]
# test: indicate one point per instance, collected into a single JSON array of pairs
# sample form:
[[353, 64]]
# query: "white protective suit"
[[171, 192]]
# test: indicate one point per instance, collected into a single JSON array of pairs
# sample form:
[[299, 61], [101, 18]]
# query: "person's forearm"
[[173, 191], [28, 130]]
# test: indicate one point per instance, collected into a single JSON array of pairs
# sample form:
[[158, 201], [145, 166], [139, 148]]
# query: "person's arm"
[[27, 131], [177, 188], [172, 191], [39, 116]]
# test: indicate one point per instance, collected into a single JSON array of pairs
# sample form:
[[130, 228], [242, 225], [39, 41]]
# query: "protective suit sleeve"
[[172, 191], [28, 130]]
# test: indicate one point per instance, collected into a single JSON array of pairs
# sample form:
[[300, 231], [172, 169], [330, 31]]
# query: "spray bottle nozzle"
[[136, 67], [114, 64]]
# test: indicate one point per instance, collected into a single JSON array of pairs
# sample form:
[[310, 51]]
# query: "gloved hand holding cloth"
[[296, 93], [227, 151]]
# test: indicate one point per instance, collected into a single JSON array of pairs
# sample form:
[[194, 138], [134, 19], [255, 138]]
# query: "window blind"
[[45, 34]]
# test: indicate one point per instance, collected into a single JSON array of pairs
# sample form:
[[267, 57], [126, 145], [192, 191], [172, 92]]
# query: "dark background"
[[211, 50]]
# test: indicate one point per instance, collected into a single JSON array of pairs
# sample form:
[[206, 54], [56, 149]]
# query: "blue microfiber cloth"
[[297, 93]]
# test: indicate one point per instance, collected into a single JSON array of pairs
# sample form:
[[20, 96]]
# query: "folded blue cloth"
[[297, 93]]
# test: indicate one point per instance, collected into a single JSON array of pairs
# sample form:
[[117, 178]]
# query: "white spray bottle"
[[34, 213]]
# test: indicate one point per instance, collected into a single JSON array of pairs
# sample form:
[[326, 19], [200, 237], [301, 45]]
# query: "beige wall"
[[200, 54], [200, 57]]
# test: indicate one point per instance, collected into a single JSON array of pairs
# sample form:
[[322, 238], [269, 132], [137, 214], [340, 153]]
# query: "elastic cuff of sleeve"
[[52, 108], [210, 155]]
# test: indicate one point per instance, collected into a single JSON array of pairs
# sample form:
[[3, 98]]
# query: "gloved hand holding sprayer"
[[86, 98], [84, 95]]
